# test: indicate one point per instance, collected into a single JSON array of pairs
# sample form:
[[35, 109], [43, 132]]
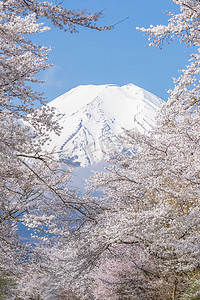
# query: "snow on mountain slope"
[[94, 117]]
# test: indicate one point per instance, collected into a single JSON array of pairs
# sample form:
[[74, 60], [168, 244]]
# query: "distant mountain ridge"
[[94, 116]]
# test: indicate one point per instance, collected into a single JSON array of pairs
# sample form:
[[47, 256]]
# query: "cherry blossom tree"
[[32, 183], [143, 240]]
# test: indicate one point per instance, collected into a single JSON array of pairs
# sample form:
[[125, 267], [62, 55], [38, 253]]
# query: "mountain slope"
[[94, 117]]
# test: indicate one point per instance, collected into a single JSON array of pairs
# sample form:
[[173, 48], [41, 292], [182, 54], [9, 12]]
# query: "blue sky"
[[119, 56]]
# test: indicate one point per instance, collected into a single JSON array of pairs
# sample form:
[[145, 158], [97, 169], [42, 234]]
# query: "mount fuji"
[[93, 117]]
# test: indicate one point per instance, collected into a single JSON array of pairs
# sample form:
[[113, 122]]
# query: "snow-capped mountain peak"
[[94, 116]]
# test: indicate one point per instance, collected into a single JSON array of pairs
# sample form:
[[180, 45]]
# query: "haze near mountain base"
[[94, 117]]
